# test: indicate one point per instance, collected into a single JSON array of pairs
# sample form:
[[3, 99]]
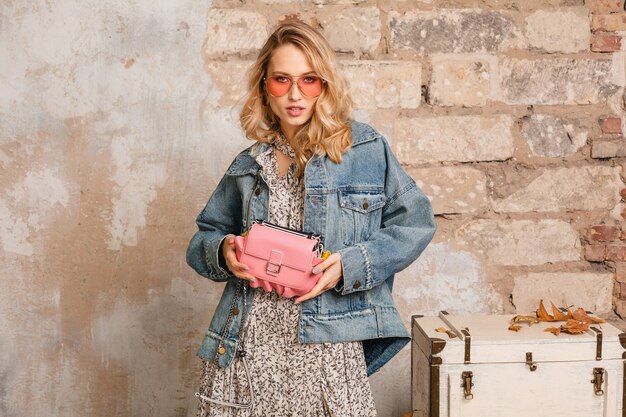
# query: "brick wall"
[[604, 242]]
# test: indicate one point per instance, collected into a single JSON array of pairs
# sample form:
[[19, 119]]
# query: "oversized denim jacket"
[[367, 208]]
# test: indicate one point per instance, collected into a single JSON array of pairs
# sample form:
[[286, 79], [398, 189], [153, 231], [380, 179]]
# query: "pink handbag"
[[280, 259]]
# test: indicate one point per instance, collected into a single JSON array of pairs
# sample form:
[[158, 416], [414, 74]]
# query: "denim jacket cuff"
[[357, 269], [216, 263], [339, 286]]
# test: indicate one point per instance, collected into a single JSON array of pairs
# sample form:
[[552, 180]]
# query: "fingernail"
[[316, 270], [245, 268]]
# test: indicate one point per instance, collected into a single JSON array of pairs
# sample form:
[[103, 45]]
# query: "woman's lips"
[[295, 111]]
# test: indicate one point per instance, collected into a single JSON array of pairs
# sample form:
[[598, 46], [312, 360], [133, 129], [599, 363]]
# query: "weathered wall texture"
[[118, 118]]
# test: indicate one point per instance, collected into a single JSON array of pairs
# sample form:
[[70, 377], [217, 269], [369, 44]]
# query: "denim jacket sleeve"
[[220, 216], [407, 227]]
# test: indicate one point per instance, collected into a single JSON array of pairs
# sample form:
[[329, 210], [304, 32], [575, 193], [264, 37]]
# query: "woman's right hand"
[[230, 256]]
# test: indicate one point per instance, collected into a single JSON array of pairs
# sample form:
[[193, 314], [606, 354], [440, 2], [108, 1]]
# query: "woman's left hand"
[[332, 273]]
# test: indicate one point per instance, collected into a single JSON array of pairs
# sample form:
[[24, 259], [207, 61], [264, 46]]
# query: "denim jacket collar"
[[245, 163]]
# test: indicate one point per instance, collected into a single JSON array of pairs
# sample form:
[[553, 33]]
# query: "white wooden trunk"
[[503, 383]]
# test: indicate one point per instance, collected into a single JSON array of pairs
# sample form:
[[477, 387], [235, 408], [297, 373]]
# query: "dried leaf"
[[515, 328], [558, 314], [575, 323], [554, 330], [571, 327], [520, 318], [581, 315], [574, 327], [542, 314]]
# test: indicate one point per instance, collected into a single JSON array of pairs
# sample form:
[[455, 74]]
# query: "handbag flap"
[[265, 243]]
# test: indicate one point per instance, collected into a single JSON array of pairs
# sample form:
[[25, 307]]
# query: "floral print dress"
[[289, 379]]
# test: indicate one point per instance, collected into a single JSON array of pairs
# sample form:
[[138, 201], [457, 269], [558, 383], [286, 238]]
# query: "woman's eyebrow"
[[286, 73]]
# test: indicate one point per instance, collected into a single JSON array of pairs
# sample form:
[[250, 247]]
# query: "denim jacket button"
[[257, 191], [235, 311], [221, 350], [365, 205], [356, 285]]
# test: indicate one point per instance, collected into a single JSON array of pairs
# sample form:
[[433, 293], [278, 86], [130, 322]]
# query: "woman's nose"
[[294, 91]]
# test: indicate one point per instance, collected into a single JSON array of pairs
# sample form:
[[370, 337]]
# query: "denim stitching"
[[400, 192], [368, 266]]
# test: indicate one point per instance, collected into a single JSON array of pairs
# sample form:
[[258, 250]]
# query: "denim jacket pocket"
[[361, 214]]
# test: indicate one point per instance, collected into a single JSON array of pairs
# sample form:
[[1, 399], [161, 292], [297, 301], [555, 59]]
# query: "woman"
[[313, 169]]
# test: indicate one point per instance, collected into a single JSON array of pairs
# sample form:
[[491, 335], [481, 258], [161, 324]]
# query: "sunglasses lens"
[[309, 85], [278, 86]]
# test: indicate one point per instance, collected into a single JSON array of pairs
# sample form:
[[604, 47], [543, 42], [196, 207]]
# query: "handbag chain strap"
[[241, 352]]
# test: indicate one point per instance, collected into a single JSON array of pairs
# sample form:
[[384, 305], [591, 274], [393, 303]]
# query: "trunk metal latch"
[[598, 380], [467, 384], [529, 361]]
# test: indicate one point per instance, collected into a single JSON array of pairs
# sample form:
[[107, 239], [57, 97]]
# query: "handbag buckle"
[[274, 263], [272, 268]]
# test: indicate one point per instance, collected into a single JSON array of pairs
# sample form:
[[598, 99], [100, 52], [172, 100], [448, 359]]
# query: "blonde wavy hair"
[[328, 130]]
